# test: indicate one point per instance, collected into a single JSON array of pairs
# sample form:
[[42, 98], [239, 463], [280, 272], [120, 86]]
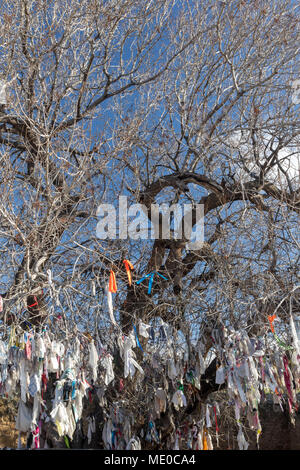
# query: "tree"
[[166, 101]]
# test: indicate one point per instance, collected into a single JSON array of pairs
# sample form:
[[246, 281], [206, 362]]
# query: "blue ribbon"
[[150, 283], [137, 339], [143, 278], [151, 279], [73, 389], [162, 276], [113, 434]]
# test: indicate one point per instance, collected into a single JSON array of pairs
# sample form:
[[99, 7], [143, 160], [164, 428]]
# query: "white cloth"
[[3, 352], [3, 92], [34, 385], [52, 365], [49, 273], [199, 441], [24, 417], [208, 421], [93, 359], [179, 400], [143, 329], [107, 363], [23, 379], [78, 403], [202, 363], [107, 434], [91, 428], [110, 306], [130, 363], [242, 443], [209, 442], [40, 348], [220, 376], [60, 417], [71, 422], [172, 372], [294, 335], [134, 444], [36, 409]]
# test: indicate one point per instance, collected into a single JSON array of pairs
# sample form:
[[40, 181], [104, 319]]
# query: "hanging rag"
[[112, 282], [128, 267]]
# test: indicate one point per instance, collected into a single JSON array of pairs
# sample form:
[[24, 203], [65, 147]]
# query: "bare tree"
[[162, 102]]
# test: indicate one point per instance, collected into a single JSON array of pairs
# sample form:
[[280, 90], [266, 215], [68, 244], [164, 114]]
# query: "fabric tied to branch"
[[112, 282], [151, 275], [93, 359], [110, 306], [128, 267]]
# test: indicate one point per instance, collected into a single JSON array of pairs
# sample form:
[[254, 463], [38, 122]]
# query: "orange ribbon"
[[205, 445], [271, 318], [128, 267], [112, 282]]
